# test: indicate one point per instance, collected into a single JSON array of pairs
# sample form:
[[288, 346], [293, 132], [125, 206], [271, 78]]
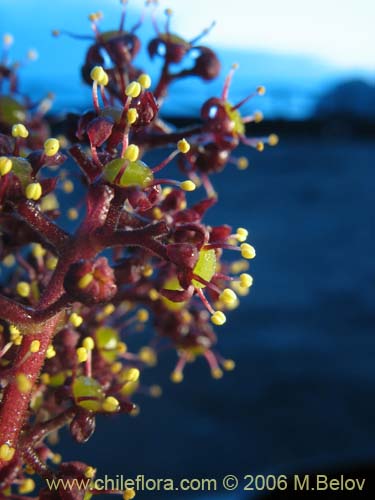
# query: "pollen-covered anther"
[[261, 90], [34, 346], [246, 280], [51, 263], [132, 116], [90, 472], [229, 365], [273, 140], [131, 153], [50, 353], [82, 354], [76, 320], [218, 318], [129, 494], [242, 163], [132, 375], [242, 234], [33, 191], [228, 297], [260, 146], [133, 90], [24, 385], [258, 116], [6, 165], [88, 343], [145, 80], [85, 280], [8, 39], [19, 130], [26, 486], [183, 146], [98, 75], [51, 146], [110, 404], [32, 55], [23, 289], [72, 214], [216, 373], [142, 315], [38, 251], [247, 251], [148, 356], [6, 452], [177, 376], [188, 186]]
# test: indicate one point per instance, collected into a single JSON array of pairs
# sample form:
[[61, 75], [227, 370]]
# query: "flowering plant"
[[136, 253]]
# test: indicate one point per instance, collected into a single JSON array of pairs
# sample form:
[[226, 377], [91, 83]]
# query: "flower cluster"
[[137, 252]]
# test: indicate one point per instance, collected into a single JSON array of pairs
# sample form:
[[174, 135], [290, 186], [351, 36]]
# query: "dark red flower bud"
[[220, 233], [183, 254], [207, 65], [91, 282], [82, 426]]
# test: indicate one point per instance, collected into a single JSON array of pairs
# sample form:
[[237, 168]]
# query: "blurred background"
[[302, 397]]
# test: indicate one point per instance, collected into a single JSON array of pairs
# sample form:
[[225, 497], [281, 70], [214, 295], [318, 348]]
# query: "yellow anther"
[[51, 146], [216, 373], [104, 81], [18, 340], [246, 280], [242, 163], [122, 347], [98, 75], [110, 404], [235, 66], [133, 89], [72, 214], [242, 234], [188, 186], [258, 116], [9, 260], [14, 330], [147, 271], [6, 165], [273, 140], [85, 280], [88, 343], [49, 202], [132, 375], [45, 378], [19, 130], [6, 452], [218, 318], [247, 251], [8, 39], [76, 320], [145, 80], [23, 288], [50, 353], [56, 458], [68, 186], [33, 191], [229, 365], [129, 494], [132, 153], [177, 377], [261, 90], [228, 297], [51, 263], [142, 315], [183, 146], [148, 356], [24, 385], [35, 346], [109, 309], [155, 391], [168, 12], [260, 146], [27, 486], [116, 367], [132, 116], [153, 294], [38, 251], [157, 213], [82, 354], [89, 472]]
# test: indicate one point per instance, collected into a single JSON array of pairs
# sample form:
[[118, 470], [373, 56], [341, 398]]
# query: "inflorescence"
[[138, 253]]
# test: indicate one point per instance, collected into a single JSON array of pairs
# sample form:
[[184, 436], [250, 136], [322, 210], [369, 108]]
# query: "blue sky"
[[340, 31]]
